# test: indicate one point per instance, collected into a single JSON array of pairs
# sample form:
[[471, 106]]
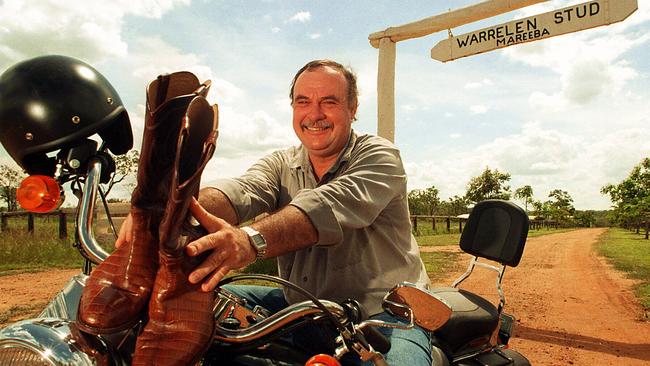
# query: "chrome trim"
[[274, 322], [501, 269], [64, 304], [49, 337], [91, 248]]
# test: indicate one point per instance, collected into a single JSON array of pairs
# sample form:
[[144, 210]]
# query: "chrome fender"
[[44, 341]]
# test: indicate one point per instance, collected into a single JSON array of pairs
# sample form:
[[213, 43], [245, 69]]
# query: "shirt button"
[[304, 279]]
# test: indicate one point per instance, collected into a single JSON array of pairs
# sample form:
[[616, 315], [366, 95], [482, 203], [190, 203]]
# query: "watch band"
[[257, 241]]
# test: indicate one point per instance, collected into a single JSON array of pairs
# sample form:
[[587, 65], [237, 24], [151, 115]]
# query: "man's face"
[[322, 117]]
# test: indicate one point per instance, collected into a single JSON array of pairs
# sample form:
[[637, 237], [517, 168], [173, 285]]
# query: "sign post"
[[573, 18]]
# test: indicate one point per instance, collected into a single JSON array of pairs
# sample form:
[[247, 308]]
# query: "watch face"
[[257, 240]]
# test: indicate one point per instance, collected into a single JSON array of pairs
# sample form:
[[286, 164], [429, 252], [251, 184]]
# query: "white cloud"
[[275, 30], [589, 63], [546, 159], [455, 136], [478, 109], [314, 35], [300, 17], [245, 137], [478, 84], [90, 30], [409, 107]]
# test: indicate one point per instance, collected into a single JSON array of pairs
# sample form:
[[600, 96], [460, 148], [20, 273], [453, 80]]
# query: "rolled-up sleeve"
[[364, 186], [256, 191]]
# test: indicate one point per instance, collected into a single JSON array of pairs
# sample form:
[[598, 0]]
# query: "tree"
[[454, 206], [423, 201], [542, 209], [561, 205], [586, 218], [125, 165], [10, 179], [526, 194], [489, 185], [631, 197]]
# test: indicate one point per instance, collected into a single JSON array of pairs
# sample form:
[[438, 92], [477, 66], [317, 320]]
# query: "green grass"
[[21, 251], [454, 238], [439, 264], [630, 253], [438, 240]]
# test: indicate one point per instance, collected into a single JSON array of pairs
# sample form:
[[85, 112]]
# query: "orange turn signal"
[[322, 360], [39, 193]]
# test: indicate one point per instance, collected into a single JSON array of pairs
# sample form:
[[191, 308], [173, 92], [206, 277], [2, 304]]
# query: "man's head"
[[324, 100], [350, 77]]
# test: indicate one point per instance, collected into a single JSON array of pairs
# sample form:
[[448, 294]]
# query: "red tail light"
[[39, 193], [322, 360]]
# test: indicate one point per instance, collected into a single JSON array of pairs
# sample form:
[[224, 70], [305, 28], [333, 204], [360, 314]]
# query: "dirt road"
[[571, 307]]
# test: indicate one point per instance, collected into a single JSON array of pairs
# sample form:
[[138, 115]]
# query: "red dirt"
[[571, 307]]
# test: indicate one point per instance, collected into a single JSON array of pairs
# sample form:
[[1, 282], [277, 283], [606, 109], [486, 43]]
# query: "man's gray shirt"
[[359, 209]]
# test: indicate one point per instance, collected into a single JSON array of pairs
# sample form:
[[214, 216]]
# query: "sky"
[[568, 113]]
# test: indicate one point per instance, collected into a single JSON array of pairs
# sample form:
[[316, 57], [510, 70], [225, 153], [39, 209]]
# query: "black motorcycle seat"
[[473, 318]]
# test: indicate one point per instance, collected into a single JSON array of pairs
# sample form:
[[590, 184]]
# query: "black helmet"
[[50, 103]]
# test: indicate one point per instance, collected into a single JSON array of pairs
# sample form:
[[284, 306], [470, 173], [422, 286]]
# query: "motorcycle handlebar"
[[90, 248]]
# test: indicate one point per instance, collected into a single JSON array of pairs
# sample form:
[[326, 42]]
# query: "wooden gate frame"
[[387, 39]]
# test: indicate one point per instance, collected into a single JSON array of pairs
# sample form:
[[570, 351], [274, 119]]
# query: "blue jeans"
[[408, 347]]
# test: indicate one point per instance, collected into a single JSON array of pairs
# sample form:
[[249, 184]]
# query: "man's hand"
[[126, 234], [229, 245]]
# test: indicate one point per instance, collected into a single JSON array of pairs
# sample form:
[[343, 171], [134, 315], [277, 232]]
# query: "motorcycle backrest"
[[496, 230]]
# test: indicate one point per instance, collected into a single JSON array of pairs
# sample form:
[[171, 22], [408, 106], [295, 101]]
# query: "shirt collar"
[[301, 158]]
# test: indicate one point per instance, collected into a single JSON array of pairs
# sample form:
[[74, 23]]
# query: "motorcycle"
[[50, 140], [466, 328]]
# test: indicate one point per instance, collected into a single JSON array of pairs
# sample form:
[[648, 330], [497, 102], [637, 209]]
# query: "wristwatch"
[[257, 241]]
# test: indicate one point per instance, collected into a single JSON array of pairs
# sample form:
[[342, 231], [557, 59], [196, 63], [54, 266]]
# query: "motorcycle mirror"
[[428, 310], [39, 193]]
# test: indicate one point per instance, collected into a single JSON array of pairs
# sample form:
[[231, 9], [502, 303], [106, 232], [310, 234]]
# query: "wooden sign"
[[561, 21]]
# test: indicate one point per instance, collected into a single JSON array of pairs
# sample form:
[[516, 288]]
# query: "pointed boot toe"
[[119, 288], [181, 322]]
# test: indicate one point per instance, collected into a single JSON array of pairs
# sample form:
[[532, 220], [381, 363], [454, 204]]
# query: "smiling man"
[[338, 216]]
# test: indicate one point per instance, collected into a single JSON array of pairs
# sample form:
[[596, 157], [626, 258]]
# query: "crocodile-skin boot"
[[118, 290], [181, 321]]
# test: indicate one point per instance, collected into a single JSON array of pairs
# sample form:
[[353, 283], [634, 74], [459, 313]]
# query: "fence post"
[[3, 219], [30, 223], [433, 224], [63, 227], [448, 224], [460, 225], [415, 224]]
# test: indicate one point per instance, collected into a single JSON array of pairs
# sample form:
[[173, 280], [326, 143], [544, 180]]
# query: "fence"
[[61, 214], [438, 219], [448, 220], [543, 224], [120, 210]]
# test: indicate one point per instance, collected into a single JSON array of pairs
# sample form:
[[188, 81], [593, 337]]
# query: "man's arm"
[[218, 204], [285, 231]]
